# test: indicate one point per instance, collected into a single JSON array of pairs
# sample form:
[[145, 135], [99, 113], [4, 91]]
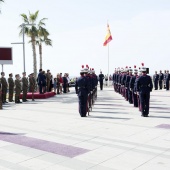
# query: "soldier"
[[155, 80], [144, 87], [133, 87], [48, 77], [164, 79], [161, 77], [129, 92], [101, 77], [4, 87], [81, 88], [24, 87], [167, 79], [11, 87], [32, 85], [17, 88]]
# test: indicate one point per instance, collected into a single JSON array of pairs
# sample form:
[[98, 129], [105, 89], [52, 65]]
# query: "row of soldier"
[[86, 90], [161, 79], [134, 88], [18, 85]]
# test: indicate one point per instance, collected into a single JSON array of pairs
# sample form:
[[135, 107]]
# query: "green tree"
[[42, 38], [0, 2], [33, 33]]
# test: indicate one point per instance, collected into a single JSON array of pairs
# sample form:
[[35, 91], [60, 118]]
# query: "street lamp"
[[23, 42]]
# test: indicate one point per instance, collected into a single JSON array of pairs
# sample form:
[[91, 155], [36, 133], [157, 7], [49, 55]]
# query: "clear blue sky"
[[140, 31]]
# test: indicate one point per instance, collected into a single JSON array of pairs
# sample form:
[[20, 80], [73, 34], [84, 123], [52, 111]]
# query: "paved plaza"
[[49, 134]]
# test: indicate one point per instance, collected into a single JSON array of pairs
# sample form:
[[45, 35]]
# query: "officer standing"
[[11, 87], [133, 87], [144, 87], [101, 77], [4, 87], [161, 77], [17, 88], [155, 80], [81, 88], [24, 87], [32, 85], [48, 77], [167, 79]]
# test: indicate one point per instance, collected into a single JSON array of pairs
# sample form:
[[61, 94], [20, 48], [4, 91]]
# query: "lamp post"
[[23, 42]]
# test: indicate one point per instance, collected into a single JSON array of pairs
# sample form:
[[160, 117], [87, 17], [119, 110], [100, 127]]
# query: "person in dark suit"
[[40, 81], [144, 87], [161, 78], [82, 90], [65, 83], [101, 78], [155, 80]]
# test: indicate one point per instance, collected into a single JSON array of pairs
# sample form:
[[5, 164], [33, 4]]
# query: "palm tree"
[[0, 2], [42, 38], [32, 32]]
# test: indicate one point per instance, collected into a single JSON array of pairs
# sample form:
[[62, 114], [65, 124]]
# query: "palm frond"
[[25, 18]]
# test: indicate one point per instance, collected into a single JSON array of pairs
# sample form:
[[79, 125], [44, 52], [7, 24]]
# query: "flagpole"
[[108, 65]]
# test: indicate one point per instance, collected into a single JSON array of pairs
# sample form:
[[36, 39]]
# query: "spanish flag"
[[108, 37]]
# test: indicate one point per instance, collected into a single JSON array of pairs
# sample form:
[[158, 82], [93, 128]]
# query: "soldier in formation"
[[133, 87], [86, 89], [11, 87]]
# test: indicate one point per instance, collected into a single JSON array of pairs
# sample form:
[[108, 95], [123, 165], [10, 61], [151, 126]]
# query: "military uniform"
[[48, 77], [81, 88], [11, 88], [144, 87], [167, 79], [161, 78], [17, 90], [155, 80], [32, 85], [4, 88], [24, 88], [101, 77]]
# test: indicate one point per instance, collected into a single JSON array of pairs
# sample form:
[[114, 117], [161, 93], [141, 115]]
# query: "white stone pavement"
[[115, 134]]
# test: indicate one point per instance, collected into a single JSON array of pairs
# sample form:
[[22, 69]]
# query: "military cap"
[[23, 72], [10, 74], [16, 75]]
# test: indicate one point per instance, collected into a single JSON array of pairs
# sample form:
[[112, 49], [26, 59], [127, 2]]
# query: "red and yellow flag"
[[108, 37]]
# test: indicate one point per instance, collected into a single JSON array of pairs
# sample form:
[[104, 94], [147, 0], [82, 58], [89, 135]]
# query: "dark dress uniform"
[[82, 90], [167, 79], [133, 89], [129, 92], [4, 89], [11, 88], [65, 81], [144, 87], [161, 78], [101, 77], [155, 80], [24, 89]]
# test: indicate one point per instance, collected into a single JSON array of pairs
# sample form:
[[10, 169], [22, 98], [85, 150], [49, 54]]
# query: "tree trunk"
[[40, 52], [34, 57]]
